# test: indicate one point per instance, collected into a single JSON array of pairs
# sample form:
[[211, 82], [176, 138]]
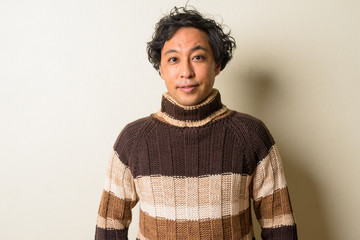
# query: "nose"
[[187, 70]]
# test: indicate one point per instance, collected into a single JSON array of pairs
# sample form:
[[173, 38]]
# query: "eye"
[[198, 58], [173, 60]]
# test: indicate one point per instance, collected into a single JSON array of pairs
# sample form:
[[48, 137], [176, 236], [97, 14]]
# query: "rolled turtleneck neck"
[[191, 116]]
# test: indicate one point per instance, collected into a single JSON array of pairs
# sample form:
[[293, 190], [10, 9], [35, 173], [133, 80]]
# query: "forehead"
[[185, 38]]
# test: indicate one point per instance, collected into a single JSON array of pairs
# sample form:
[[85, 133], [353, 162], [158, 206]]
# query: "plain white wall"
[[73, 73]]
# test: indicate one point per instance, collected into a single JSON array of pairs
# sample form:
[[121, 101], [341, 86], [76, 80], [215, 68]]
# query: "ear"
[[160, 71], [217, 69]]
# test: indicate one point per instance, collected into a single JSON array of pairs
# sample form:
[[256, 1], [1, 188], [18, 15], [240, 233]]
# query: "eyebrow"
[[197, 47]]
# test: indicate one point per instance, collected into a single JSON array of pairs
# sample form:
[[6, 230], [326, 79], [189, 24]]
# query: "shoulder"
[[252, 128], [131, 133]]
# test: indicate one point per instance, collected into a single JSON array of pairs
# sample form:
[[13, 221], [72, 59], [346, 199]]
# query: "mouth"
[[188, 88]]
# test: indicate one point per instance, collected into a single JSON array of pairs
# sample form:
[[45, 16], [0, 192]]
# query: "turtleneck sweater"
[[194, 170]]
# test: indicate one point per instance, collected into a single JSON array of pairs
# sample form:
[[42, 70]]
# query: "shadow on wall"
[[311, 218]]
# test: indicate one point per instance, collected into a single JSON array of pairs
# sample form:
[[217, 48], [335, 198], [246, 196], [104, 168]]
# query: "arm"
[[271, 199], [118, 198]]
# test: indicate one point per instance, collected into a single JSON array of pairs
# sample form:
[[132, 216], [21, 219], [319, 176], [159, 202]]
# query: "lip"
[[188, 88]]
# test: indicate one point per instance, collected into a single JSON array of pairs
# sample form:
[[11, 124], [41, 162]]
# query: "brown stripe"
[[254, 132], [273, 205], [229, 227], [115, 208]]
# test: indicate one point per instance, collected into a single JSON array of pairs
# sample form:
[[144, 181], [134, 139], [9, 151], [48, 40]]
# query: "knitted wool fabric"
[[194, 171]]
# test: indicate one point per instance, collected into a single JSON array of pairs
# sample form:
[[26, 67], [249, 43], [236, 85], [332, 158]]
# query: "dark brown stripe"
[[114, 207], [106, 234], [229, 227], [196, 114], [233, 144], [273, 205], [192, 152], [284, 232], [126, 143]]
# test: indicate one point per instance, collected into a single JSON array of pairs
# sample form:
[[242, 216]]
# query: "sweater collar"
[[191, 116]]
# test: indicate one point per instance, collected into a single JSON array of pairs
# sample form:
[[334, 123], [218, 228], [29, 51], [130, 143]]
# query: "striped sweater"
[[194, 171]]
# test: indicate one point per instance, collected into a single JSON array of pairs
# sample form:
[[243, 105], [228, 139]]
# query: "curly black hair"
[[221, 43]]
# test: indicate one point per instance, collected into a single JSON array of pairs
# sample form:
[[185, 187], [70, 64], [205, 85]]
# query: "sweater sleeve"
[[118, 198], [271, 199]]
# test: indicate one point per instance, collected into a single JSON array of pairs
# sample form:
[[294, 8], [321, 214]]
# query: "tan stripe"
[[141, 237], [193, 198], [230, 227], [209, 99], [116, 208], [109, 223], [273, 205], [284, 220], [180, 123], [269, 175], [227, 113]]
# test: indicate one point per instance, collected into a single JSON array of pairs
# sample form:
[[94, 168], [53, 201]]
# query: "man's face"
[[188, 66]]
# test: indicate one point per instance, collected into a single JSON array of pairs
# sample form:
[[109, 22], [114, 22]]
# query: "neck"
[[191, 116]]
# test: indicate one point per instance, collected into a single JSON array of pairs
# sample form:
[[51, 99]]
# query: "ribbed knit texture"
[[194, 171]]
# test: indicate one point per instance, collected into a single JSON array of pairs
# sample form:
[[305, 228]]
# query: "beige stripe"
[[119, 179], [283, 220], [248, 237], [229, 227], [109, 223], [273, 205], [209, 99], [269, 175], [141, 237], [193, 198], [180, 123]]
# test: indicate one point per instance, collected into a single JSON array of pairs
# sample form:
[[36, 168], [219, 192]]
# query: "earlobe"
[[160, 71], [217, 69]]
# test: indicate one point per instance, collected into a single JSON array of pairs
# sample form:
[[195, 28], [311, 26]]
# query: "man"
[[195, 164]]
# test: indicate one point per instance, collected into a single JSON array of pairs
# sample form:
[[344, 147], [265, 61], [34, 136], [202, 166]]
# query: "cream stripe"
[[119, 179], [283, 220], [269, 175], [212, 200], [109, 223], [180, 123], [185, 189], [125, 191], [187, 213]]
